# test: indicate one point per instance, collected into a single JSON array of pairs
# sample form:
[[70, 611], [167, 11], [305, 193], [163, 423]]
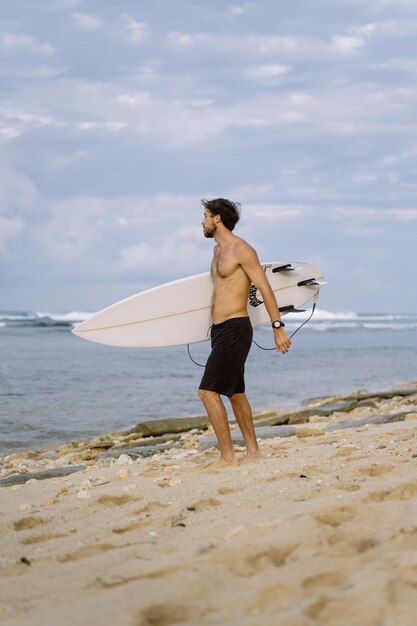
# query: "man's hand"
[[282, 340]]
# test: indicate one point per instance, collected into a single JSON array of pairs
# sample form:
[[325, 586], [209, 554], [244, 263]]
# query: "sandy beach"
[[322, 530]]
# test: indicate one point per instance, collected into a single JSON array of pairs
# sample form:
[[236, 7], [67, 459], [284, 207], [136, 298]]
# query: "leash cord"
[[257, 344], [292, 335]]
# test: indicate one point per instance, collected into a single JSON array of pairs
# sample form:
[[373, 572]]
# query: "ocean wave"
[[73, 316], [321, 321], [43, 319]]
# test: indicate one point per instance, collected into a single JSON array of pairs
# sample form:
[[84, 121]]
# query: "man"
[[235, 266]]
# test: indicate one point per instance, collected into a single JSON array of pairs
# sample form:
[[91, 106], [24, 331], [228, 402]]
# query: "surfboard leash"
[[316, 297], [315, 300]]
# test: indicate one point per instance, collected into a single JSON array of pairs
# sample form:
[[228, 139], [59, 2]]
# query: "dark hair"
[[229, 211]]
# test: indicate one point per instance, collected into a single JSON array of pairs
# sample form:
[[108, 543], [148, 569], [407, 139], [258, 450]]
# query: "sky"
[[117, 118]]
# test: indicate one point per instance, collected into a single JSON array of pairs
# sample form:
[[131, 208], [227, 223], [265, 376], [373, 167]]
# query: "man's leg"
[[218, 419], [243, 413]]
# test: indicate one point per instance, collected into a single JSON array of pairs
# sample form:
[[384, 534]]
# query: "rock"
[[370, 403], [263, 432], [276, 420], [305, 431], [171, 425], [146, 442], [382, 395], [321, 400], [261, 414], [325, 410], [379, 419], [138, 452], [50, 473], [124, 459], [100, 445], [335, 407]]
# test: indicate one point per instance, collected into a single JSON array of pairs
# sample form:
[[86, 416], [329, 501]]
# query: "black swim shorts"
[[230, 342]]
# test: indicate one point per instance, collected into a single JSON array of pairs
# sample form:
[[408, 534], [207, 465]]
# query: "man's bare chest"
[[224, 264]]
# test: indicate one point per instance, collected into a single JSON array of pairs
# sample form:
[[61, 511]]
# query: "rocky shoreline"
[[132, 528], [187, 436]]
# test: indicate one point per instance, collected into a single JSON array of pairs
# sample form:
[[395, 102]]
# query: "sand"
[[321, 531]]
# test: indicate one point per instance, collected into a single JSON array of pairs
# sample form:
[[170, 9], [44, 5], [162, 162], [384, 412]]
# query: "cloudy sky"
[[116, 118]]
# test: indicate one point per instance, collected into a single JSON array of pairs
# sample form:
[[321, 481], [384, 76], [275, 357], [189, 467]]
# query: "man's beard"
[[209, 234]]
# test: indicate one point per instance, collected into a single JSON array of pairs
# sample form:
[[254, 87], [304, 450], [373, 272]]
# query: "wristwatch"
[[278, 324]]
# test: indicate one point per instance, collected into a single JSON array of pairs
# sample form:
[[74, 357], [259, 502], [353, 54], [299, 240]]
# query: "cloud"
[[19, 196], [112, 126], [182, 40], [404, 215], [10, 228], [173, 252], [9, 132], [18, 44], [134, 32], [14, 122], [268, 72], [397, 65], [65, 4], [346, 45], [84, 21], [275, 212]]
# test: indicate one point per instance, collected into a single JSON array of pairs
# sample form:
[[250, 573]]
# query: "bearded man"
[[235, 266]]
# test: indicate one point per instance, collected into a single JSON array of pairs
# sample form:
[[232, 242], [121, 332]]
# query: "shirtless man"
[[234, 267]]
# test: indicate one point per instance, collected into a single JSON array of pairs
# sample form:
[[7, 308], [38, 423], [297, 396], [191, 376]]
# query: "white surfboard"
[[179, 312]]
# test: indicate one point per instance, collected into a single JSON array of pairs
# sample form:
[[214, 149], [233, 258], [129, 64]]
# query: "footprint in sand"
[[44, 537], [324, 579], [257, 561], [375, 469], [225, 490], [120, 530], [163, 615], [152, 506], [406, 491], [118, 580], [204, 505], [86, 552], [276, 598], [401, 592], [348, 545], [337, 516], [359, 608], [140, 523], [108, 500], [29, 522]]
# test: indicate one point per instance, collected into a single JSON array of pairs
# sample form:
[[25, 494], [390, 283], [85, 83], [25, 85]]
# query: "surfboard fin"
[[285, 268], [311, 282], [290, 309]]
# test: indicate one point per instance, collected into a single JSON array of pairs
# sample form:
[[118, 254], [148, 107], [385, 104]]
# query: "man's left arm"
[[248, 259]]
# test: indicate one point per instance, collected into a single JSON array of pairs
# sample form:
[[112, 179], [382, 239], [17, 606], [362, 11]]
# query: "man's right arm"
[[249, 261]]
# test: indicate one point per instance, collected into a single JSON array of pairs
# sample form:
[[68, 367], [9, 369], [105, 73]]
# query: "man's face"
[[208, 224]]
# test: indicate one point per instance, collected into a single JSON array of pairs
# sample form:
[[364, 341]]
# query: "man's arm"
[[248, 259]]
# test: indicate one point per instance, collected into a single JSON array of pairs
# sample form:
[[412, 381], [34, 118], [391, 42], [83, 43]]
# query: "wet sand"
[[321, 531]]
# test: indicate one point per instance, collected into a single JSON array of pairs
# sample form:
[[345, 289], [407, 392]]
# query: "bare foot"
[[255, 455], [222, 464]]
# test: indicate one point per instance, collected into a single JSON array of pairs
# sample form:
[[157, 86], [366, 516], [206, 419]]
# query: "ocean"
[[56, 387]]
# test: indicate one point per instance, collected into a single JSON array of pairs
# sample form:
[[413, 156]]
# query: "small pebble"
[[124, 459]]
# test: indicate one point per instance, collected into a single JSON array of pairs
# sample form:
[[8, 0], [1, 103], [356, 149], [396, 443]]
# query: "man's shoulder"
[[242, 247]]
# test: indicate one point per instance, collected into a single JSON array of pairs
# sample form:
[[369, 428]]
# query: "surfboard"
[[179, 312]]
